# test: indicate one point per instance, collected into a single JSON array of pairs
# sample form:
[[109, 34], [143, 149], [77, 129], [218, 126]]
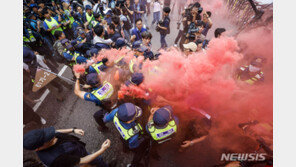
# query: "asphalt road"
[[74, 112]]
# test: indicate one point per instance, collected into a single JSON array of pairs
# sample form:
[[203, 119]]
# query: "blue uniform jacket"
[[134, 141]]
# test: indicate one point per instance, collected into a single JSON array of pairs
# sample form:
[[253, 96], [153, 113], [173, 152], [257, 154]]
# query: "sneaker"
[[128, 165], [175, 45], [43, 121]]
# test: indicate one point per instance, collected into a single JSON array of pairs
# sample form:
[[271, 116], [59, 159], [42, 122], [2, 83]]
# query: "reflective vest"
[[131, 66], [254, 79], [51, 24], [126, 133], [104, 92], [76, 55], [162, 135], [71, 19], [97, 67], [89, 18], [94, 23], [31, 37]]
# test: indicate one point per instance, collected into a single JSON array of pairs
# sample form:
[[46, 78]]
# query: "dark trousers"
[[162, 41], [98, 116], [140, 152], [182, 37], [148, 7]]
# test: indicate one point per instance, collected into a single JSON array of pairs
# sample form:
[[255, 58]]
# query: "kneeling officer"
[[125, 120]]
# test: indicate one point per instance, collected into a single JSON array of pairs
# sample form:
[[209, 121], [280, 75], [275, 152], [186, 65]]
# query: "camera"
[[157, 27], [192, 30]]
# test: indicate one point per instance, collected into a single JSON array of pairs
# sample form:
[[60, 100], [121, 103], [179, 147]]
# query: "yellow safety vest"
[[51, 24], [94, 23], [252, 80], [97, 67], [71, 19], [89, 18], [104, 92], [162, 135], [131, 66], [126, 133], [31, 37], [76, 55]]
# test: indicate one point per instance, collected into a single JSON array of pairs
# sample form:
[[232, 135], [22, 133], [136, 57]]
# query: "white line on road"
[[35, 108]]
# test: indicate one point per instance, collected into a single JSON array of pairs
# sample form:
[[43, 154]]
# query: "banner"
[[42, 78]]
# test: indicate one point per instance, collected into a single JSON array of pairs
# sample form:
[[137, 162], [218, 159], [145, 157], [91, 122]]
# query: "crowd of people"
[[74, 32]]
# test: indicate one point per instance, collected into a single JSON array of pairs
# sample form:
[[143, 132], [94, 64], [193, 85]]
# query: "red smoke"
[[206, 80]]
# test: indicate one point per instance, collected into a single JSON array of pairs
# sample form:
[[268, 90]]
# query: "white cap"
[[191, 45]]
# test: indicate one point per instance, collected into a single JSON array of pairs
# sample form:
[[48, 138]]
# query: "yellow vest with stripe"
[[252, 80], [89, 18], [94, 23], [126, 133], [162, 135], [104, 92], [76, 55], [51, 24], [31, 37], [70, 18], [131, 66], [97, 67]]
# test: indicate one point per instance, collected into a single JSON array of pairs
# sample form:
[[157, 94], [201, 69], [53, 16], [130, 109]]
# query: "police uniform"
[[163, 126], [102, 96], [131, 133], [51, 23], [250, 78]]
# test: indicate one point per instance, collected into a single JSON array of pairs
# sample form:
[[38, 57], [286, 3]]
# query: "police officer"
[[57, 148], [71, 55], [51, 24], [102, 95], [96, 21], [88, 16], [98, 67], [252, 73], [162, 124], [125, 120], [139, 50]]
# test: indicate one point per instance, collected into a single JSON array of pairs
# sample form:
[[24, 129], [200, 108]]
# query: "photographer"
[[195, 32], [164, 27], [207, 22], [183, 28]]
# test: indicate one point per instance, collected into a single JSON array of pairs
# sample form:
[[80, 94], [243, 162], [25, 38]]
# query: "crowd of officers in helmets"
[[72, 32]]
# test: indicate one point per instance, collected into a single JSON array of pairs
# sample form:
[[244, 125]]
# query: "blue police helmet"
[[92, 52], [137, 44], [36, 138], [137, 78], [127, 111], [88, 7], [92, 79], [161, 117], [120, 42]]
